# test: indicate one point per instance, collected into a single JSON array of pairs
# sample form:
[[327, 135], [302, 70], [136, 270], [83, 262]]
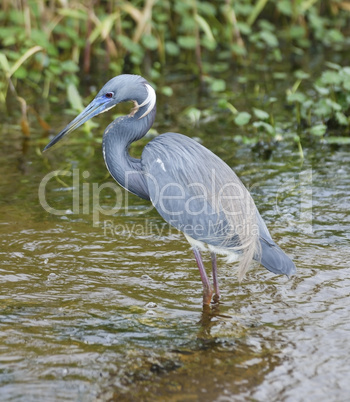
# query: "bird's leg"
[[216, 297], [207, 291]]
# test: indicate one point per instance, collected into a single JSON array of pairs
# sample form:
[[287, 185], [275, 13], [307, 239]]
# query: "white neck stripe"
[[150, 100]]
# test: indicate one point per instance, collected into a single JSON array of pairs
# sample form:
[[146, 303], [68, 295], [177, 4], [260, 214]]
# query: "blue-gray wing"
[[182, 178], [198, 193]]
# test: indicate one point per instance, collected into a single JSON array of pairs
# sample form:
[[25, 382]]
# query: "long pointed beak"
[[97, 106]]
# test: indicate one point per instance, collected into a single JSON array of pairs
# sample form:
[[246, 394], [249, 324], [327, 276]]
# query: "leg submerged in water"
[[216, 297], [207, 291]]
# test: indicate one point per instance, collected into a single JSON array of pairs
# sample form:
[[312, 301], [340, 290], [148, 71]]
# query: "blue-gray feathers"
[[184, 181], [177, 164]]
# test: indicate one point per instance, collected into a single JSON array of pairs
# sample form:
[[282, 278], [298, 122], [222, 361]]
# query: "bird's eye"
[[109, 95]]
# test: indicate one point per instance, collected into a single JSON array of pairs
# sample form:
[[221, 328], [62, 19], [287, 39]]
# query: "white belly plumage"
[[230, 255]]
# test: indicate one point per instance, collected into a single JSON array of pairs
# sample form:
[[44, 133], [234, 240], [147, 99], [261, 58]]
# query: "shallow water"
[[98, 307]]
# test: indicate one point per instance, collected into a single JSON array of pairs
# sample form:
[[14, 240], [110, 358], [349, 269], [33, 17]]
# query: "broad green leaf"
[[150, 42], [333, 65], [297, 32], [318, 130], [296, 97], [21, 73], [265, 25], [278, 75], [69, 66], [206, 8], [172, 48], [338, 140], [269, 38], [129, 45], [244, 9], [261, 114], [242, 118], [301, 75], [331, 78], [266, 126], [321, 90], [308, 103], [4, 63], [167, 91], [346, 85], [342, 119], [187, 42], [244, 28], [239, 50], [346, 70], [322, 109], [285, 7], [193, 114], [334, 35], [334, 105], [218, 85]]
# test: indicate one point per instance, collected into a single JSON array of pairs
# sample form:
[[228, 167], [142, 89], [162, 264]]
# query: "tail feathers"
[[274, 259]]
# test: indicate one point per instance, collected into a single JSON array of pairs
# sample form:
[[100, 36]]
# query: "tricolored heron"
[[191, 188]]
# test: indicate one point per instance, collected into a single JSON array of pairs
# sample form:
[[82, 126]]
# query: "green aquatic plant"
[[125, 36], [47, 47], [325, 105], [321, 108]]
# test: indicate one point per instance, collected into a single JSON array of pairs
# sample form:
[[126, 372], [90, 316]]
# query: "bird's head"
[[119, 89]]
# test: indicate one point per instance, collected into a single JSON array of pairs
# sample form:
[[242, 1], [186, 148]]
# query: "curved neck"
[[127, 171]]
